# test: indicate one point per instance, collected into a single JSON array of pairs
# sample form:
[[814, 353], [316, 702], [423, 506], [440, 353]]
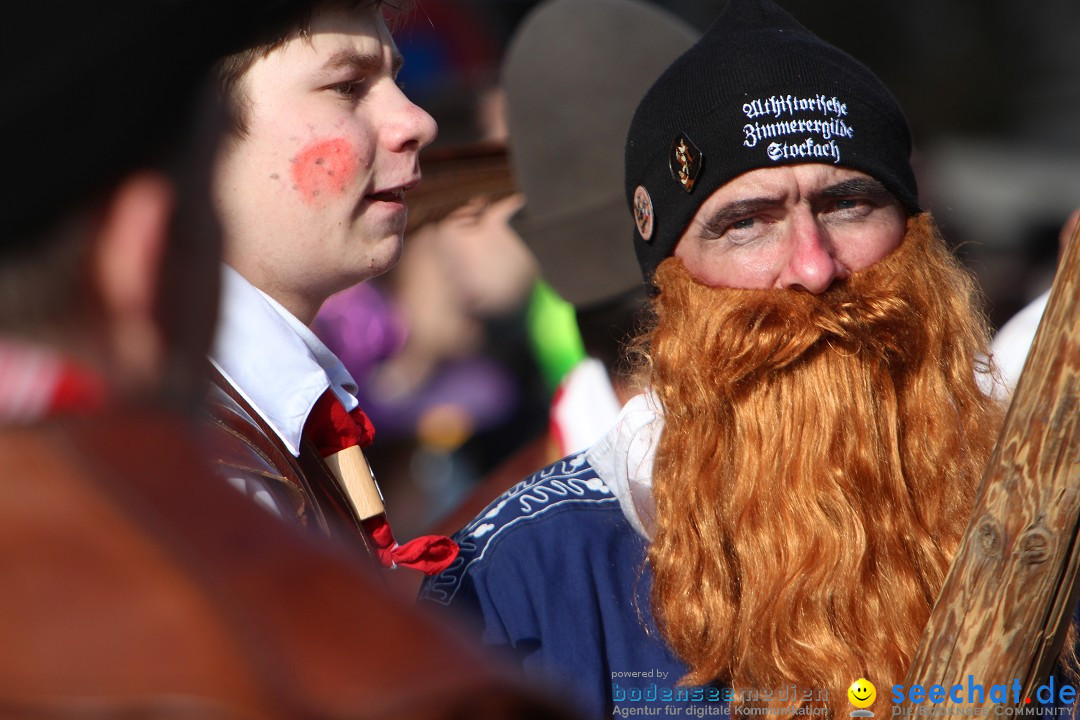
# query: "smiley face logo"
[[862, 693]]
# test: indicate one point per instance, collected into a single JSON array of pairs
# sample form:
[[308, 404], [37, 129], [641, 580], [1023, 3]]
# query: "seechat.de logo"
[[976, 694]]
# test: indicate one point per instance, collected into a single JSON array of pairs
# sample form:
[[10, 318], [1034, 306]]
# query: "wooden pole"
[[1006, 604]]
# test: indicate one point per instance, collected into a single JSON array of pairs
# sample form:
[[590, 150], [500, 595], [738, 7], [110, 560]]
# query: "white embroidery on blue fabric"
[[571, 480], [482, 530], [495, 510]]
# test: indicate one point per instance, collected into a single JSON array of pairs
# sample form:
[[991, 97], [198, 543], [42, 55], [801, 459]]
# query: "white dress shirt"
[[275, 361]]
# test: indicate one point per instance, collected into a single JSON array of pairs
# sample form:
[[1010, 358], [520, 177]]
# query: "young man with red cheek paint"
[[310, 191]]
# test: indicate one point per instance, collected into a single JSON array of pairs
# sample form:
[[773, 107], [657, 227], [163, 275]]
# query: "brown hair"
[[41, 284], [231, 69]]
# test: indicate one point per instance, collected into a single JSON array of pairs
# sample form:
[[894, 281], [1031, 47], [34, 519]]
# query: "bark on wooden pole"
[[1006, 604]]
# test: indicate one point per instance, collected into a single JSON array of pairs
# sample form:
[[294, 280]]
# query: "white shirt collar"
[[623, 459], [276, 362]]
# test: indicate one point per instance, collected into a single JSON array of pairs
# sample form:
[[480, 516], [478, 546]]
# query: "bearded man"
[[773, 517]]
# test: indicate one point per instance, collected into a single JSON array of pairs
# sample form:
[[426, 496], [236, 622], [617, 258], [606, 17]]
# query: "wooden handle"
[[351, 469], [1008, 599]]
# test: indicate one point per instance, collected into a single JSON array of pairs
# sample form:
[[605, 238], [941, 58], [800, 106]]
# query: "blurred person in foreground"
[[774, 517], [310, 188], [135, 582]]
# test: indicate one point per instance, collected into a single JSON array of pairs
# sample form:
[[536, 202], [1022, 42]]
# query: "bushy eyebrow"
[[854, 187], [363, 63], [863, 187]]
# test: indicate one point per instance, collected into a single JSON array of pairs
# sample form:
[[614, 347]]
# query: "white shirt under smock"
[[275, 361], [1012, 344], [623, 459]]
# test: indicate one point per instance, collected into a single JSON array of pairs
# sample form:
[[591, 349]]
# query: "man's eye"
[[858, 205], [736, 232], [845, 209], [347, 90], [745, 231]]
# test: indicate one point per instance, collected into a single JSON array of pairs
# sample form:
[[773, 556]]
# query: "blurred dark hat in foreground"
[[93, 90]]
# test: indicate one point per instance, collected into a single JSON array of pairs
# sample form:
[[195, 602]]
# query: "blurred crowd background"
[[459, 348]]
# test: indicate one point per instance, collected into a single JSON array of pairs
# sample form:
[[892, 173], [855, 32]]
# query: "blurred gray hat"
[[574, 72]]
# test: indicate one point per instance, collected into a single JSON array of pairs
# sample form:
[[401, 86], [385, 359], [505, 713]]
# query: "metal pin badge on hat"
[[685, 161], [643, 212]]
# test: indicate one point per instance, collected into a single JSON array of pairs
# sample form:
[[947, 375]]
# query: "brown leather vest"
[[246, 448]]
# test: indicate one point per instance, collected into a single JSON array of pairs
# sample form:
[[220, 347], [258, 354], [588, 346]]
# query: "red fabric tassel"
[[364, 427], [430, 554], [331, 428]]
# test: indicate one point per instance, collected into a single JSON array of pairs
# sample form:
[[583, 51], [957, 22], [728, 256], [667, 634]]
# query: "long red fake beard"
[[817, 469]]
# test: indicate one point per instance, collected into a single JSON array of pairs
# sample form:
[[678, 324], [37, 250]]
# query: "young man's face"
[[797, 227], [312, 198]]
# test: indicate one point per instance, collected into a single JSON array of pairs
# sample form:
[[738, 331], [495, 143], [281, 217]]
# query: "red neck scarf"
[[333, 430], [37, 383]]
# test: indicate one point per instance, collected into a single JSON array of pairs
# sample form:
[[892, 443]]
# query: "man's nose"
[[811, 264], [411, 127]]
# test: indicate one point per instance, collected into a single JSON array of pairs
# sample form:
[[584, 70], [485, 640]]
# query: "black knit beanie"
[[758, 90]]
